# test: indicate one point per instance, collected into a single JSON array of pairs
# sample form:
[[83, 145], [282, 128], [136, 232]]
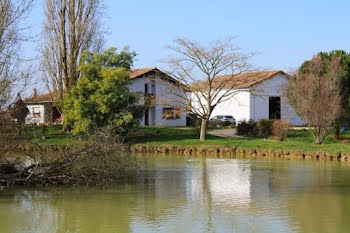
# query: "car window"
[[229, 116]]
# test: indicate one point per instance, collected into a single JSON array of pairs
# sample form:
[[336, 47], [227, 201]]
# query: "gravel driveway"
[[225, 133]]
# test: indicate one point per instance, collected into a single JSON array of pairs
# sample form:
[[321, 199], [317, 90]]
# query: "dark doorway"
[[56, 115], [274, 108], [147, 117]]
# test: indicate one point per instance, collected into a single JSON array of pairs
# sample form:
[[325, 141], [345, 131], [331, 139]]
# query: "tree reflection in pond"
[[200, 195]]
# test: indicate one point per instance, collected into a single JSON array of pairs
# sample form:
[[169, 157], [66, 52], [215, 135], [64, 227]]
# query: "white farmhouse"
[[156, 89], [257, 95]]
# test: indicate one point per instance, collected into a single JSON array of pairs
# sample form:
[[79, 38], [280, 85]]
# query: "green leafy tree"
[[101, 97], [344, 78]]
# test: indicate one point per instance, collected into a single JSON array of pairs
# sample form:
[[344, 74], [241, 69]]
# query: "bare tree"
[[198, 68], [70, 27], [316, 96], [12, 35]]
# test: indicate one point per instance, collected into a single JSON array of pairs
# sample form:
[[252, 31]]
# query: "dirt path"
[[225, 133]]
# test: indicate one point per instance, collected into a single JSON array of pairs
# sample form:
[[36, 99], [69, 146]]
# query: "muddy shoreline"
[[236, 152]]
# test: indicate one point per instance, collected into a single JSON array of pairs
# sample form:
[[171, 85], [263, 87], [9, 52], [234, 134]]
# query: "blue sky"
[[283, 33]]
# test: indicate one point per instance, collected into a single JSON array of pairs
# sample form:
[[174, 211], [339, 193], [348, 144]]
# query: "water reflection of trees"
[[61, 210], [193, 196], [324, 205], [19, 212], [320, 212]]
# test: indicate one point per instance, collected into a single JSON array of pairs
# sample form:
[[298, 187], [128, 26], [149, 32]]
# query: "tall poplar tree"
[[70, 27]]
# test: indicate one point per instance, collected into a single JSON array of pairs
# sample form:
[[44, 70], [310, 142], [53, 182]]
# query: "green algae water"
[[178, 194]]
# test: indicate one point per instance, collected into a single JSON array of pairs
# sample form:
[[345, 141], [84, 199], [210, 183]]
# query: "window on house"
[[171, 113], [153, 86], [36, 113], [146, 88]]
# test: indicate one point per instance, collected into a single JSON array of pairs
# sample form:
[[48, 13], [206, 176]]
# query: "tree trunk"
[[337, 132], [64, 127], [203, 130], [319, 139]]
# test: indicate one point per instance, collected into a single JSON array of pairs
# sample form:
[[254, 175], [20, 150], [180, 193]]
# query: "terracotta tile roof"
[[43, 98], [245, 80], [134, 73], [138, 72]]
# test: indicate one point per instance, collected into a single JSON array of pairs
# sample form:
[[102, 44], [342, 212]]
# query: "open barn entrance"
[[274, 108], [56, 116]]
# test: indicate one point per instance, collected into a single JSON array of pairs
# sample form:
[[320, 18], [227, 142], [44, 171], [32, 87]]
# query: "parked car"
[[224, 118]]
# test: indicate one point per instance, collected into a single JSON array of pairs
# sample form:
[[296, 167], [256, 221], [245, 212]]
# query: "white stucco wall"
[[30, 117], [237, 106], [164, 98], [259, 100], [253, 103], [137, 85]]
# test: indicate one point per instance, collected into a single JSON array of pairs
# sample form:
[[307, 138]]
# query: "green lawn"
[[53, 136], [298, 140]]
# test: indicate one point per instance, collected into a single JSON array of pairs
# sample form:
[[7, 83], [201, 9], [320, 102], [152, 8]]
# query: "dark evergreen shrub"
[[247, 128], [265, 127]]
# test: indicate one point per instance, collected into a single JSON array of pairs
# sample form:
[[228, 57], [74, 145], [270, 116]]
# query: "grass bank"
[[53, 136], [298, 140]]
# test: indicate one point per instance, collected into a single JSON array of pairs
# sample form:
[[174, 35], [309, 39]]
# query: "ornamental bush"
[[280, 129]]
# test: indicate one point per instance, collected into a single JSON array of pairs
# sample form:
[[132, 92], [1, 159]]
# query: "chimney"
[[34, 92]]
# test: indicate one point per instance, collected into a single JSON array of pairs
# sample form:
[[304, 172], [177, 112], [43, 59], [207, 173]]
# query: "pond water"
[[193, 195]]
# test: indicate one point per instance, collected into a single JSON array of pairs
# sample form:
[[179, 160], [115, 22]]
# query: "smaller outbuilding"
[[42, 109], [257, 95]]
